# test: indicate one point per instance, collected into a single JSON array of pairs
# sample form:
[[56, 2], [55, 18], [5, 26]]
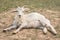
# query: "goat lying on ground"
[[33, 19]]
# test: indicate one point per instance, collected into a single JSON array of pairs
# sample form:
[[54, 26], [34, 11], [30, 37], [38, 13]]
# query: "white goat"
[[33, 19]]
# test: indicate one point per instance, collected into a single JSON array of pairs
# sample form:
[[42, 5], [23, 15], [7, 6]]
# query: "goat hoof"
[[55, 33], [4, 30], [14, 32], [44, 33]]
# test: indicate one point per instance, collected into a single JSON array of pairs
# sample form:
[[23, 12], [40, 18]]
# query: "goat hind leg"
[[44, 30], [50, 28]]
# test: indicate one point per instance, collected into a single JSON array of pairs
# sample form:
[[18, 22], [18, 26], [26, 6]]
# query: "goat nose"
[[19, 16]]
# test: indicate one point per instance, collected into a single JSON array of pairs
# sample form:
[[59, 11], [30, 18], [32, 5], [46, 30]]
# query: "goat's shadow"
[[9, 34], [39, 29]]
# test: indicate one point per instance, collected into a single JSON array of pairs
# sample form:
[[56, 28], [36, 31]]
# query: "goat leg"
[[9, 28], [44, 30], [21, 26], [50, 28]]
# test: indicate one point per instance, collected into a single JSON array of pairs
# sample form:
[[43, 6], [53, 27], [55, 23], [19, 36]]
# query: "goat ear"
[[23, 7], [14, 10], [27, 9], [18, 7]]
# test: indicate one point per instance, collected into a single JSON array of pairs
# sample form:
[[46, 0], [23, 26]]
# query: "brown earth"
[[6, 19]]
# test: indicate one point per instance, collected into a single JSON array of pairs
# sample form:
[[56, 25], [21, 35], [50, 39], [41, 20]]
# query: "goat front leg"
[[9, 28], [13, 25], [22, 25]]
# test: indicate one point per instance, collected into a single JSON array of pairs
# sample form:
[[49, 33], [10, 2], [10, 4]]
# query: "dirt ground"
[[6, 19]]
